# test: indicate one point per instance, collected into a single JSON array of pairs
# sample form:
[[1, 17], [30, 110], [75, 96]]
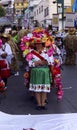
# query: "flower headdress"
[[39, 35]]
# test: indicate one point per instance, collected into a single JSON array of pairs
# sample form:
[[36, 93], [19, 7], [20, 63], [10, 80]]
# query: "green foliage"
[[2, 11]]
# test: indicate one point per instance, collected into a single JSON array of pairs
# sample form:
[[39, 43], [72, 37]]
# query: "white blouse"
[[6, 49], [44, 54]]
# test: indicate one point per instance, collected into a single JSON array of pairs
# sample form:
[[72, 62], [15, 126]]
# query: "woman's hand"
[[37, 63], [41, 62], [44, 62]]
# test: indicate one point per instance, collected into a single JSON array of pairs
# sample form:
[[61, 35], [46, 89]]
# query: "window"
[[37, 11], [22, 4], [46, 12], [42, 8], [34, 13]]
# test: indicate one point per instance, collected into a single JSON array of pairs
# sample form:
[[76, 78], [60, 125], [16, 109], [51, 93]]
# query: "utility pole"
[[62, 6]]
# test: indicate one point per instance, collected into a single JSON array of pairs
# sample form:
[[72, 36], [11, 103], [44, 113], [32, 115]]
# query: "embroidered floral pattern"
[[40, 88]]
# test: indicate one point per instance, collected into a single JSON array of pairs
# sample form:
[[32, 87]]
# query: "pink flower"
[[60, 94], [50, 52], [29, 57], [22, 47], [0, 42], [25, 39]]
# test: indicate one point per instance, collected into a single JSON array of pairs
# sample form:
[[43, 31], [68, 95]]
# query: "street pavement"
[[17, 99]]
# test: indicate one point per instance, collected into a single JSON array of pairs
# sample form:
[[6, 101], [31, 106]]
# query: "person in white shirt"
[[5, 54], [5, 50]]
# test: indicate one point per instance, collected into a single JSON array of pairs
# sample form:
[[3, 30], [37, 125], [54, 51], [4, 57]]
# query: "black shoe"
[[38, 107], [43, 107], [46, 101]]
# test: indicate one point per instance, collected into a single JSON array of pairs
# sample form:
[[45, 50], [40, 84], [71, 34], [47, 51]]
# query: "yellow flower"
[[25, 52], [27, 44]]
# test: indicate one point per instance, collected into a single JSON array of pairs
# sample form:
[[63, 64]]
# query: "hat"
[[4, 35], [72, 31]]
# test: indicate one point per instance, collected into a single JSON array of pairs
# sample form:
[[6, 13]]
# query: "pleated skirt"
[[40, 79]]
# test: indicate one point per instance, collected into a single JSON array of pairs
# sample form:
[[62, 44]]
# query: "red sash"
[[41, 58], [38, 55]]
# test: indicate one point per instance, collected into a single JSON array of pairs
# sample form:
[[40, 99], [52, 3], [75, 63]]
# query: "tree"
[[2, 11]]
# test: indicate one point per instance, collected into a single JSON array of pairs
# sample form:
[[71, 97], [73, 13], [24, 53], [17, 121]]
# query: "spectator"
[[5, 58], [15, 52]]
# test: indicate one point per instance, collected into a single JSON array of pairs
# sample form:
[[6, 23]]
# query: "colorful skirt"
[[40, 79]]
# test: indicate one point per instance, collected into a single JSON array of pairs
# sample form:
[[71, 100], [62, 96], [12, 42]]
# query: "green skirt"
[[40, 79]]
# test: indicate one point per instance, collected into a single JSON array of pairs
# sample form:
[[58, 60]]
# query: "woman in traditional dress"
[[40, 78], [5, 59]]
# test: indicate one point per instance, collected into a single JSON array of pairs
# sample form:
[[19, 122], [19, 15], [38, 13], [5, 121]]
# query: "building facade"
[[41, 11], [19, 8], [46, 8], [30, 13], [8, 5]]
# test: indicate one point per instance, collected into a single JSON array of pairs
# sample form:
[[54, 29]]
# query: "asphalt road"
[[17, 99]]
